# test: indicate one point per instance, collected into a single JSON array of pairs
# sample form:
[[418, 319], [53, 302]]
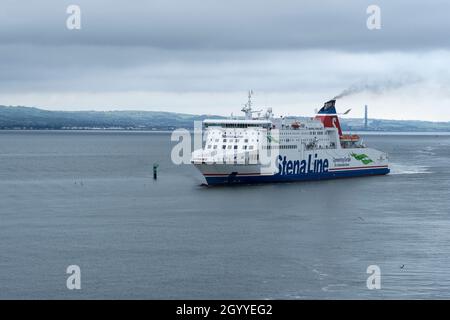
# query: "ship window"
[[215, 147], [217, 140], [235, 147], [229, 147], [245, 140], [224, 140], [209, 146], [224, 147], [251, 147], [244, 147]]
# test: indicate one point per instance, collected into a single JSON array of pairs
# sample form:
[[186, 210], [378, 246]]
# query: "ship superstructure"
[[262, 148]]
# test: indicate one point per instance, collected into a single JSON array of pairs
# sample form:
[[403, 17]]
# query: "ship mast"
[[247, 109]]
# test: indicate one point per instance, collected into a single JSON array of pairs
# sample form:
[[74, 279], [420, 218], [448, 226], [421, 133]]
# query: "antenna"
[[250, 93]]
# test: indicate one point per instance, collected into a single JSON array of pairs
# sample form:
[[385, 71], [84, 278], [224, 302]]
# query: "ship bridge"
[[237, 123]]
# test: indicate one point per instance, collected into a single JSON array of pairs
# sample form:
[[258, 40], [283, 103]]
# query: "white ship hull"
[[290, 166], [278, 150]]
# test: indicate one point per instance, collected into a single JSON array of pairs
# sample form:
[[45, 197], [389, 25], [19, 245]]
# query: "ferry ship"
[[260, 149]]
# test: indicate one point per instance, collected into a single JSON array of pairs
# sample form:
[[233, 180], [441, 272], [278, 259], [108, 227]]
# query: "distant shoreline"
[[369, 133], [26, 118], [90, 130]]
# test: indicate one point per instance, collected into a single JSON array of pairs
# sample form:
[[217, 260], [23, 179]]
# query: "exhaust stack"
[[328, 116]]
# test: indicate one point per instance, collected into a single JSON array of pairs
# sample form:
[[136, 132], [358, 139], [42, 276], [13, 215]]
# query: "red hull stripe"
[[259, 174], [227, 174], [351, 168]]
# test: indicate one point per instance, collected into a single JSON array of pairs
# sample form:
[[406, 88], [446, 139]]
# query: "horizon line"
[[203, 114]]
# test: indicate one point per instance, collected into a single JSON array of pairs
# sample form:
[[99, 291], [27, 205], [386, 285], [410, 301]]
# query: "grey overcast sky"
[[201, 56]]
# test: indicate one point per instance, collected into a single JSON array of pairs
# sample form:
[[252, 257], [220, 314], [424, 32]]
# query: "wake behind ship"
[[265, 149]]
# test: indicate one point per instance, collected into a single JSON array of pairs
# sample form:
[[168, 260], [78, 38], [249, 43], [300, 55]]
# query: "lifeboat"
[[295, 125], [349, 137]]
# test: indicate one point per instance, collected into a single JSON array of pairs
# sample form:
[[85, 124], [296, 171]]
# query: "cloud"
[[232, 24], [190, 55], [99, 68]]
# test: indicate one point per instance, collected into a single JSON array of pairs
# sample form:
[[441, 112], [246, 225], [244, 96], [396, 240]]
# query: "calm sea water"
[[88, 198]]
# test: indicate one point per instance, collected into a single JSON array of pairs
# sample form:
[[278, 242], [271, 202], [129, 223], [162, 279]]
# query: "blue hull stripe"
[[236, 179]]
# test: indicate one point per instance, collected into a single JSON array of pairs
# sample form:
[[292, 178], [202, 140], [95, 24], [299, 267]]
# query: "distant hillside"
[[34, 118], [395, 125]]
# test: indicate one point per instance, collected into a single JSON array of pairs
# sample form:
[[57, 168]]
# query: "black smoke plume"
[[378, 87]]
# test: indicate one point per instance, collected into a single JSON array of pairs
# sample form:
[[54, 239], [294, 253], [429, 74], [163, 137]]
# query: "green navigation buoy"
[[155, 171]]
